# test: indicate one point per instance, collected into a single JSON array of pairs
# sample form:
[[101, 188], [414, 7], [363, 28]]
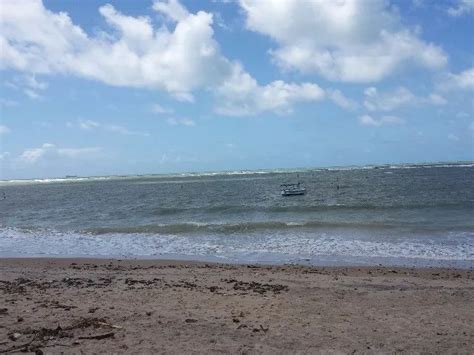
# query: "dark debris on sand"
[[38, 338], [257, 287]]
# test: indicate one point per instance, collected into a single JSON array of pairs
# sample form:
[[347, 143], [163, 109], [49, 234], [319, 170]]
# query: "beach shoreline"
[[171, 306]]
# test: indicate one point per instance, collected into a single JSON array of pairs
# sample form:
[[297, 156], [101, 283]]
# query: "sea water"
[[420, 215]]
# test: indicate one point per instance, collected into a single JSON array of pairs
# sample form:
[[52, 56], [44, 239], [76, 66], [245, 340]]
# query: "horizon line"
[[248, 171]]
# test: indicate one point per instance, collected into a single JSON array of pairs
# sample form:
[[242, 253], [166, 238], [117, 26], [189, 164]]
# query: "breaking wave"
[[243, 248]]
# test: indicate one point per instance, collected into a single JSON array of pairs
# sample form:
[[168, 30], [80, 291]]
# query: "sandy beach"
[[122, 306]]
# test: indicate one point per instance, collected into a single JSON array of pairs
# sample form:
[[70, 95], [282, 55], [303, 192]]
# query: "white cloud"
[[453, 137], [356, 41], [78, 152], [8, 103], [436, 99], [462, 7], [51, 151], [173, 158], [184, 96], [4, 155], [33, 83], [339, 99], [158, 109], [367, 120], [390, 100], [90, 125], [241, 95], [4, 129], [28, 84], [177, 58], [462, 81], [219, 20], [134, 54], [173, 121], [32, 94], [33, 154], [124, 131], [173, 9], [462, 114], [418, 3]]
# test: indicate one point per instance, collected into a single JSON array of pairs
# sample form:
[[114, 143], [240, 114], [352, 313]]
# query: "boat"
[[292, 189]]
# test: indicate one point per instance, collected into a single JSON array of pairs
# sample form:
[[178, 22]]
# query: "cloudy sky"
[[133, 87]]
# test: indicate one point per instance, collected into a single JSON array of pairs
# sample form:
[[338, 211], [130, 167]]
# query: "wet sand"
[[105, 306]]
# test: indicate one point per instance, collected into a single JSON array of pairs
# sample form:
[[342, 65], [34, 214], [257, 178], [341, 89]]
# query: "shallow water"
[[410, 215]]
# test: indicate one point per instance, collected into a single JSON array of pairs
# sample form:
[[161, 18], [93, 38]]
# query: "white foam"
[[280, 246], [56, 180]]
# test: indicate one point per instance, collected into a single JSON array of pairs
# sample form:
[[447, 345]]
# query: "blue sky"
[[136, 87]]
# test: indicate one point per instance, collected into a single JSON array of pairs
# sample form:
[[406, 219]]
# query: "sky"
[[139, 87]]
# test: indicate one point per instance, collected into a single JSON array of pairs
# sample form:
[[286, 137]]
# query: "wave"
[[244, 227], [148, 176], [399, 166], [164, 211], [250, 227], [58, 180], [274, 247]]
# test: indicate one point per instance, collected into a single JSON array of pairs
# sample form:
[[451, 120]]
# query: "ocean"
[[411, 215]]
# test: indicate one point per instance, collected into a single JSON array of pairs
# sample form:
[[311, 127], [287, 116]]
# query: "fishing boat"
[[292, 189]]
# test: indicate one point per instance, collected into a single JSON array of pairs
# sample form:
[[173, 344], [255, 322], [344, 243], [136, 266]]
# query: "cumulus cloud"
[[367, 120], [462, 7], [133, 53], [355, 41], [4, 129], [176, 58], [241, 95], [51, 151]]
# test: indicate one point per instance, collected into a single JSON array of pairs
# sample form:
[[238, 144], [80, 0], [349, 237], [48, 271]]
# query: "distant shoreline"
[[78, 178]]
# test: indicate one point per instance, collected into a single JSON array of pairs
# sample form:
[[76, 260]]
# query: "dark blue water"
[[395, 215]]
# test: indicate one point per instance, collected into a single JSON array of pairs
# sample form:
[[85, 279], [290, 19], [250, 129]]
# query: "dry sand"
[[105, 306]]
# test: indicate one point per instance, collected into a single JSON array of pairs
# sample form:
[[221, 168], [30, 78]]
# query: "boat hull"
[[293, 193]]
